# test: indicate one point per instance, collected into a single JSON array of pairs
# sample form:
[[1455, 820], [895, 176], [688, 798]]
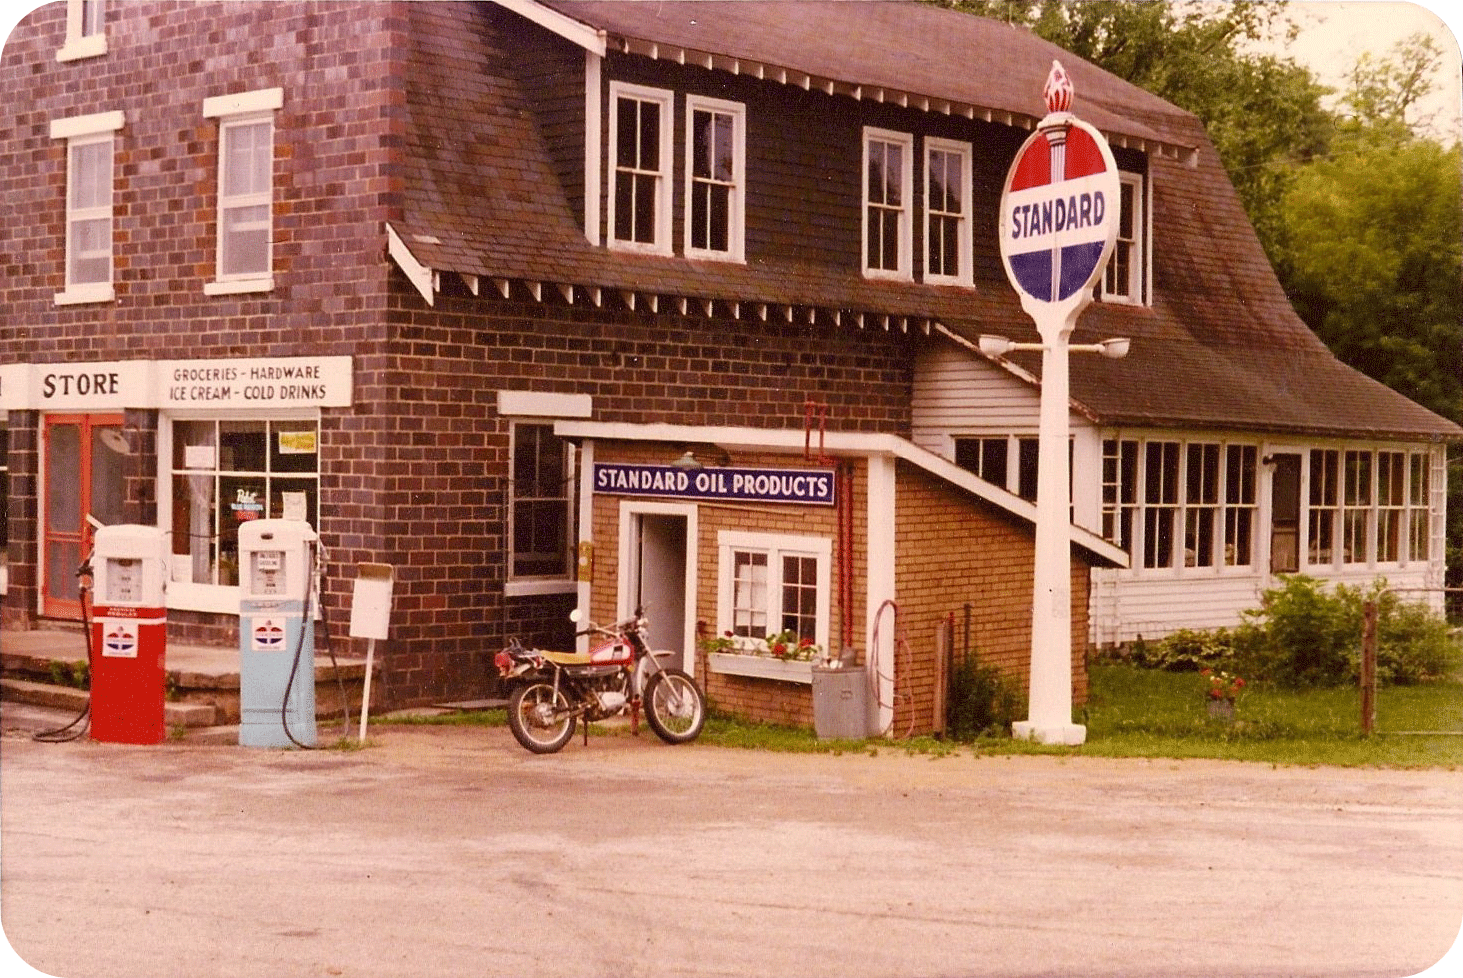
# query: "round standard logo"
[[1059, 210]]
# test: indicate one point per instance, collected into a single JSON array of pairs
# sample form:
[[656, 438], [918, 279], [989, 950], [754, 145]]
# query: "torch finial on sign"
[[1058, 89]]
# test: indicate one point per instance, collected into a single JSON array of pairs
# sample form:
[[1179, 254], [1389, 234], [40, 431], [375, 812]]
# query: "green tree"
[[1264, 114]]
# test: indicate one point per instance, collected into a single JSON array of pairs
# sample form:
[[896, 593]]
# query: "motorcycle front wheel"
[[674, 706], [539, 717]]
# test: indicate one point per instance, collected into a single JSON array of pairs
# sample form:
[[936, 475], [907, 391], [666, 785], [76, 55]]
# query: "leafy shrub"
[[1308, 637], [1304, 635], [981, 701]]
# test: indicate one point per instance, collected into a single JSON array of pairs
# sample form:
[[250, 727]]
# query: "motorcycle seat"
[[567, 658]]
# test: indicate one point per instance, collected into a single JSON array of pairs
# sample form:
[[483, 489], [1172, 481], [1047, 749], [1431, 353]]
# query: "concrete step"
[[186, 715]]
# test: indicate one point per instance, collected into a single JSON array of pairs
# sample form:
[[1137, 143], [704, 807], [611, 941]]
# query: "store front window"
[[226, 473]]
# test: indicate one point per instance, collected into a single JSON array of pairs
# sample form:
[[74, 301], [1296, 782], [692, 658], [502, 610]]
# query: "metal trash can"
[[840, 703]]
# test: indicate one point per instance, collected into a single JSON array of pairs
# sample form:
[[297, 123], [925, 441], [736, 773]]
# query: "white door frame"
[[625, 598]]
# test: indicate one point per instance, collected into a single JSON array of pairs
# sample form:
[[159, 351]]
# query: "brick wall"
[[953, 550]]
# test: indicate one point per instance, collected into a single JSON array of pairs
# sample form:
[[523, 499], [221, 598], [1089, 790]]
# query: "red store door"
[[85, 460]]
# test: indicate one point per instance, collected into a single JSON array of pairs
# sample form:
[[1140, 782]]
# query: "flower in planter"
[[1222, 686], [788, 646]]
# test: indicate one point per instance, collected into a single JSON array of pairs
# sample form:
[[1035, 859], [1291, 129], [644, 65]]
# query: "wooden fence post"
[[1369, 668]]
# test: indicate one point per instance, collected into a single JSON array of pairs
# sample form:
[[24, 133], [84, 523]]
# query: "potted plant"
[[1221, 692]]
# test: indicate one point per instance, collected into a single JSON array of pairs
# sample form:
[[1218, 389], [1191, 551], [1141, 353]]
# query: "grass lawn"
[[1136, 712], [1148, 713]]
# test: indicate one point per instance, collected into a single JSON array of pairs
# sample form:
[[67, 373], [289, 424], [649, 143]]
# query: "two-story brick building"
[[458, 282]]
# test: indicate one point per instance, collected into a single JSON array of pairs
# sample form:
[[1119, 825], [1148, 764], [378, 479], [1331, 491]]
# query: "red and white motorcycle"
[[553, 691]]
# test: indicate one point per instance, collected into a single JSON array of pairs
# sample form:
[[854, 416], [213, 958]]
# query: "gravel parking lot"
[[450, 851]]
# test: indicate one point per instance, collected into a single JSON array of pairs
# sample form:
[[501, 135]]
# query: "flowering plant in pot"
[[1221, 692]]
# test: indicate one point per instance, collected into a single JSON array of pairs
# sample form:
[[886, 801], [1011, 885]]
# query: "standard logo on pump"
[[269, 635], [119, 640]]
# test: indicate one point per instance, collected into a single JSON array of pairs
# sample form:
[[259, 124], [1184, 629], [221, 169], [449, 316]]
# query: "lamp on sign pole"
[[1059, 213]]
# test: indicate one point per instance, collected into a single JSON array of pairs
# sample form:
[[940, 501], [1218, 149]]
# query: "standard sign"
[[808, 486], [1059, 212]]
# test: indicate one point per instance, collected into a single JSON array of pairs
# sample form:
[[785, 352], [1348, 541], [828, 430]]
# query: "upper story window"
[[888, 192], [245, 190], [89, 165], [1125, 278], [86, 35], [715, 178], [947, 212], [640, 148]]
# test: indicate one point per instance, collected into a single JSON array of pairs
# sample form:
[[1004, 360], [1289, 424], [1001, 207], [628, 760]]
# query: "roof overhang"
[[836, 443]]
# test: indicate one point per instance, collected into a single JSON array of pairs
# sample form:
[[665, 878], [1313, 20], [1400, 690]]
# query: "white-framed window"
[[1119, 490], [1009, 461], [90, 152], [1126, 276], [640, 170], [1419, 525], [1356, 506], [888, 181], [225, 472], [1240, 504], [769, 583], [1179, 505], [715, 178], [540, 509], [1324, 506], [1368, 506], [947, 212], [245, 225], [86, 35]]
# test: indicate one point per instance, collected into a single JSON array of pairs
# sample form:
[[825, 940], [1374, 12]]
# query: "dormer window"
[[888, 185], [1126, 277], [715, 177], [640, 147], [947, 212]]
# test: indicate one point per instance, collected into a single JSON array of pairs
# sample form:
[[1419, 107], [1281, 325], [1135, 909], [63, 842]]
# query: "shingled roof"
[[1220, 346]]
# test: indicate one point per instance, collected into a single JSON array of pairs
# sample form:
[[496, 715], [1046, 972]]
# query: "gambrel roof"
[[485, 196]]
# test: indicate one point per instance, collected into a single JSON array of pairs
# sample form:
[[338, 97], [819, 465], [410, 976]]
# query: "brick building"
[[413, 270]]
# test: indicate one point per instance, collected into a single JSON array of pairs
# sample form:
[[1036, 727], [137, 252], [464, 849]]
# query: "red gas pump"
[[129, 635]]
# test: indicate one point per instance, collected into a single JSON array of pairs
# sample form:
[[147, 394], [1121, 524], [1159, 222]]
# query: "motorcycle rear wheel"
[[675, 707], [539, 717]]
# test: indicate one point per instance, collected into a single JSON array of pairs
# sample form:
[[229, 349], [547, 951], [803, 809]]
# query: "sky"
[[1335, 33]]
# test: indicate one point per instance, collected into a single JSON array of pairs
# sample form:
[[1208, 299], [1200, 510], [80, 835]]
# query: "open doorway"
[[657, 562]]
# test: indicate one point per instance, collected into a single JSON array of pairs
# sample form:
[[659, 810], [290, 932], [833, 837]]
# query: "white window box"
[[760, 667]]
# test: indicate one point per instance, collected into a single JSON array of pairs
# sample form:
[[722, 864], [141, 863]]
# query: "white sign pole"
[[1049, 217]]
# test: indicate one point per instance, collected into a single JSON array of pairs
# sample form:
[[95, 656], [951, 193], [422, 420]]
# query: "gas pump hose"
[[307, 621], [63, 734]]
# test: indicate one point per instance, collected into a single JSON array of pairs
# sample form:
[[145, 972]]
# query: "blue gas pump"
[[276, 634]]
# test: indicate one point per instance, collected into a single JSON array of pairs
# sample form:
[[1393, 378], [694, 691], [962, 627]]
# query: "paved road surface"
[[450, 851]]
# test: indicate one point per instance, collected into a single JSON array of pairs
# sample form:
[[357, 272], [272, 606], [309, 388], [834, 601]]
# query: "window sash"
[[771, 583], [888, 178], [640, 133], [246, 198], [715, 164], [947, 212], [541, 508], [89, 211], [1124, 277]]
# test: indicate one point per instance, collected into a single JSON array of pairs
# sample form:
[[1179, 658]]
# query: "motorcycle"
[[553, 691]]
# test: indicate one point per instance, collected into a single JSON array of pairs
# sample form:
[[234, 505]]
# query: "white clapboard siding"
[[955, 392], [1125, 607]]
